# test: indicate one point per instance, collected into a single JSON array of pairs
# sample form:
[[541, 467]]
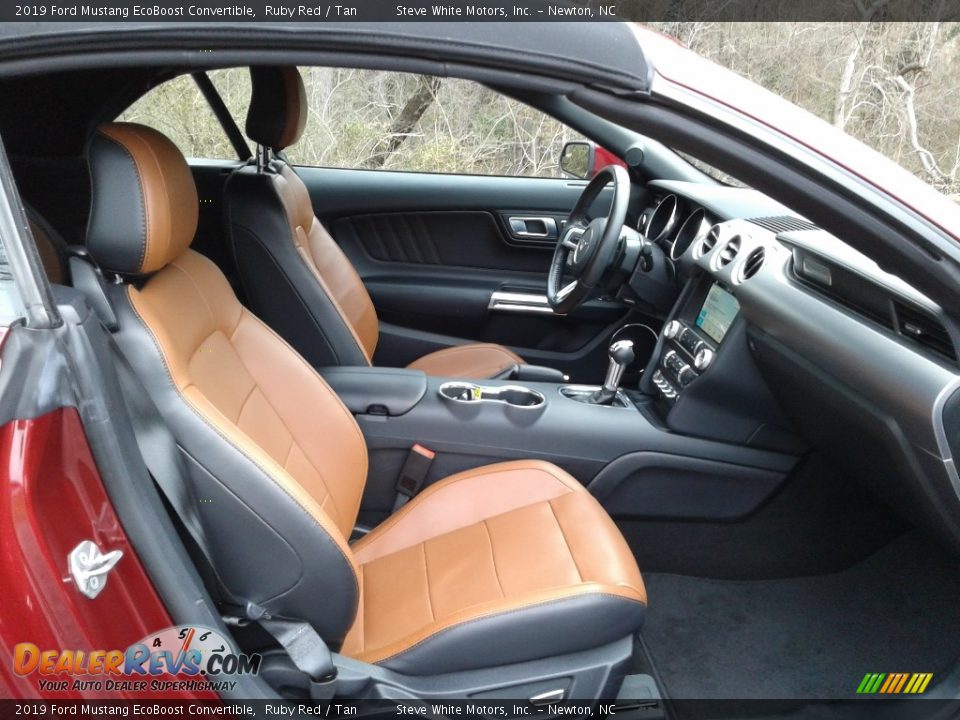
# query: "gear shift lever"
[[621, 354]]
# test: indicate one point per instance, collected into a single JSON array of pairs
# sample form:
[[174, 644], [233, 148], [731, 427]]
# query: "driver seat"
[[295, 276]]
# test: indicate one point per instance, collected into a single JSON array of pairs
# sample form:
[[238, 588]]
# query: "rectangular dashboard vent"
[[783, 223], [924, 329]]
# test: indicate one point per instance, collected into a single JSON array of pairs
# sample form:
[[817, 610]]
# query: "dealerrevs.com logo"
[[184, 658]]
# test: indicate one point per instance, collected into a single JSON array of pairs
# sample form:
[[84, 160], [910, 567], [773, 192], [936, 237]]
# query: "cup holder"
[[472, 394]]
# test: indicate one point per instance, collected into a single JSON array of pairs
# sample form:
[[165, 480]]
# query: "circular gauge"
[[695, 226], [664, 218]]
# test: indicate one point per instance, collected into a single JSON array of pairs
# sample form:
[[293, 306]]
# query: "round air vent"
[[708, 243], [728, 252], [751, 266]]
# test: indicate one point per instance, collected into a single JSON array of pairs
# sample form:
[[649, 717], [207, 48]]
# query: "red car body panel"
[[603, 157], [678, 65], [51, 498]]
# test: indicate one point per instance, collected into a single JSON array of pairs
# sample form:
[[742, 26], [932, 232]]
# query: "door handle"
[[544, 228]]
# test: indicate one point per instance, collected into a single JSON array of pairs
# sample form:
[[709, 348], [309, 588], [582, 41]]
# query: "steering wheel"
[[586, 249]]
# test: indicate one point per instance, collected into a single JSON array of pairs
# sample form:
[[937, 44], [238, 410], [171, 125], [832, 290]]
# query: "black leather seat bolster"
[[266, 547], [279, 286], [539, 631]]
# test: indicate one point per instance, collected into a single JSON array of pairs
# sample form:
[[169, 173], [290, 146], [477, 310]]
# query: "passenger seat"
[[294, 274], [51, 247], [498, 577]]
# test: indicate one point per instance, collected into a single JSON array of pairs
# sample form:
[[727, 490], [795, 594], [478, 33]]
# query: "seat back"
[[50, 246], [278, 462], [293, 273]]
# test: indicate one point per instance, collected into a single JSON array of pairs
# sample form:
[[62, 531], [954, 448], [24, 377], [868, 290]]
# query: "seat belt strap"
[[161, 455]]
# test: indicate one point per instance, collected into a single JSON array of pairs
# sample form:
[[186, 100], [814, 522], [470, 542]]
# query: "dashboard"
[[784, 334]]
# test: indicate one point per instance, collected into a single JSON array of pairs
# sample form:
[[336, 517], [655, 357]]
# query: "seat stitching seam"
[[213, 318], [283, 422], [566, 542], [458, 349], [315, 268], [290, 222], [426, 572], [312, 370], [245, 401], [461, 527], [394, 519], [143, 197], [286, 278], [362, 607], [493, 555], [209, 423], [148, 250]]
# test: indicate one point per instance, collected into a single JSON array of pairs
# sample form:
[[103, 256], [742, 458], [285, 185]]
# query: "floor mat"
[[809, 637]]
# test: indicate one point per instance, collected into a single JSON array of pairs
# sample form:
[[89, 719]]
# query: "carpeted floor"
[[806, 637]]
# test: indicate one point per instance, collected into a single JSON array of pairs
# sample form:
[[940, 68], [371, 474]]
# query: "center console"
[[700, 436], [691, 340], [621, 449], [703, 378]]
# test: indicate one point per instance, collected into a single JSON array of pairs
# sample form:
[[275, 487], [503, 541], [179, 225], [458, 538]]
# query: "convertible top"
[[595, 53], [83, 70]]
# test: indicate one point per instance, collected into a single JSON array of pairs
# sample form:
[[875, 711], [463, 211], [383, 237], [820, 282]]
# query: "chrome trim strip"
[[519, 302], [940, 433]]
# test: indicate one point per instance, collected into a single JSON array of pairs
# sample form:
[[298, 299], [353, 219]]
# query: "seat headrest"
[[278, 106], [143, 201]]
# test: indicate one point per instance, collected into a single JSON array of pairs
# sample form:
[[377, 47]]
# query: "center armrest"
[[377, 390]]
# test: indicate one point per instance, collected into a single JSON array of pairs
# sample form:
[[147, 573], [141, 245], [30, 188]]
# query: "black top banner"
[[486, 11]]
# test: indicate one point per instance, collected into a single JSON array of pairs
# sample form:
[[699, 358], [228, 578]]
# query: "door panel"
[[448, 238], [433, 249]]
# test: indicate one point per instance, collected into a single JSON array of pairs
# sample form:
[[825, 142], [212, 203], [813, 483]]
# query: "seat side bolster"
[[464, 499], [326, 260], [537, 625], [269, 263], [326, 590]]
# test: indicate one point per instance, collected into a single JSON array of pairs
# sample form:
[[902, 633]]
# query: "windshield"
[[711, 171]]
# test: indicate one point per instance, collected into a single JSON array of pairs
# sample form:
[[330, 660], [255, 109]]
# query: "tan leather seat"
[[503, 564], [293, 273], [492, 540], [50, 246]]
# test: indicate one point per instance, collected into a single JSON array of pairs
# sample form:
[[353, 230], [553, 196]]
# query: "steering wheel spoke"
[[572, 237], [563, 292], [586, 249]]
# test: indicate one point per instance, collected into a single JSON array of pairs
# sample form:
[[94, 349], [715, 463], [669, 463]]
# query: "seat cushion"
[[504, 563], [479, 360]]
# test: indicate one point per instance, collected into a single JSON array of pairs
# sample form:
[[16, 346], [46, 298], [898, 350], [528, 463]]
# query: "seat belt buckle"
[[241, 614], [413, 474]]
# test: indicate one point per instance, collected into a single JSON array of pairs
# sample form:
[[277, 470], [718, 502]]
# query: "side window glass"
[[179, 110], [374, 120]]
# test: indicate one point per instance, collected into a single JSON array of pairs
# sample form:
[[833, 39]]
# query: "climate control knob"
[[672, 329], [703, 359]]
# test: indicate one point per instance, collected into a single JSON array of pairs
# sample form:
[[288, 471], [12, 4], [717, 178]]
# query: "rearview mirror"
[[576, 159]]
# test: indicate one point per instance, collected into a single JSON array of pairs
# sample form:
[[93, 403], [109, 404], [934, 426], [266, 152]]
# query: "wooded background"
[[894, 86]]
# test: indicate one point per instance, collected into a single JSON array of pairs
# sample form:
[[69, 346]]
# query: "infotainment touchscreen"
[[718, 313]]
